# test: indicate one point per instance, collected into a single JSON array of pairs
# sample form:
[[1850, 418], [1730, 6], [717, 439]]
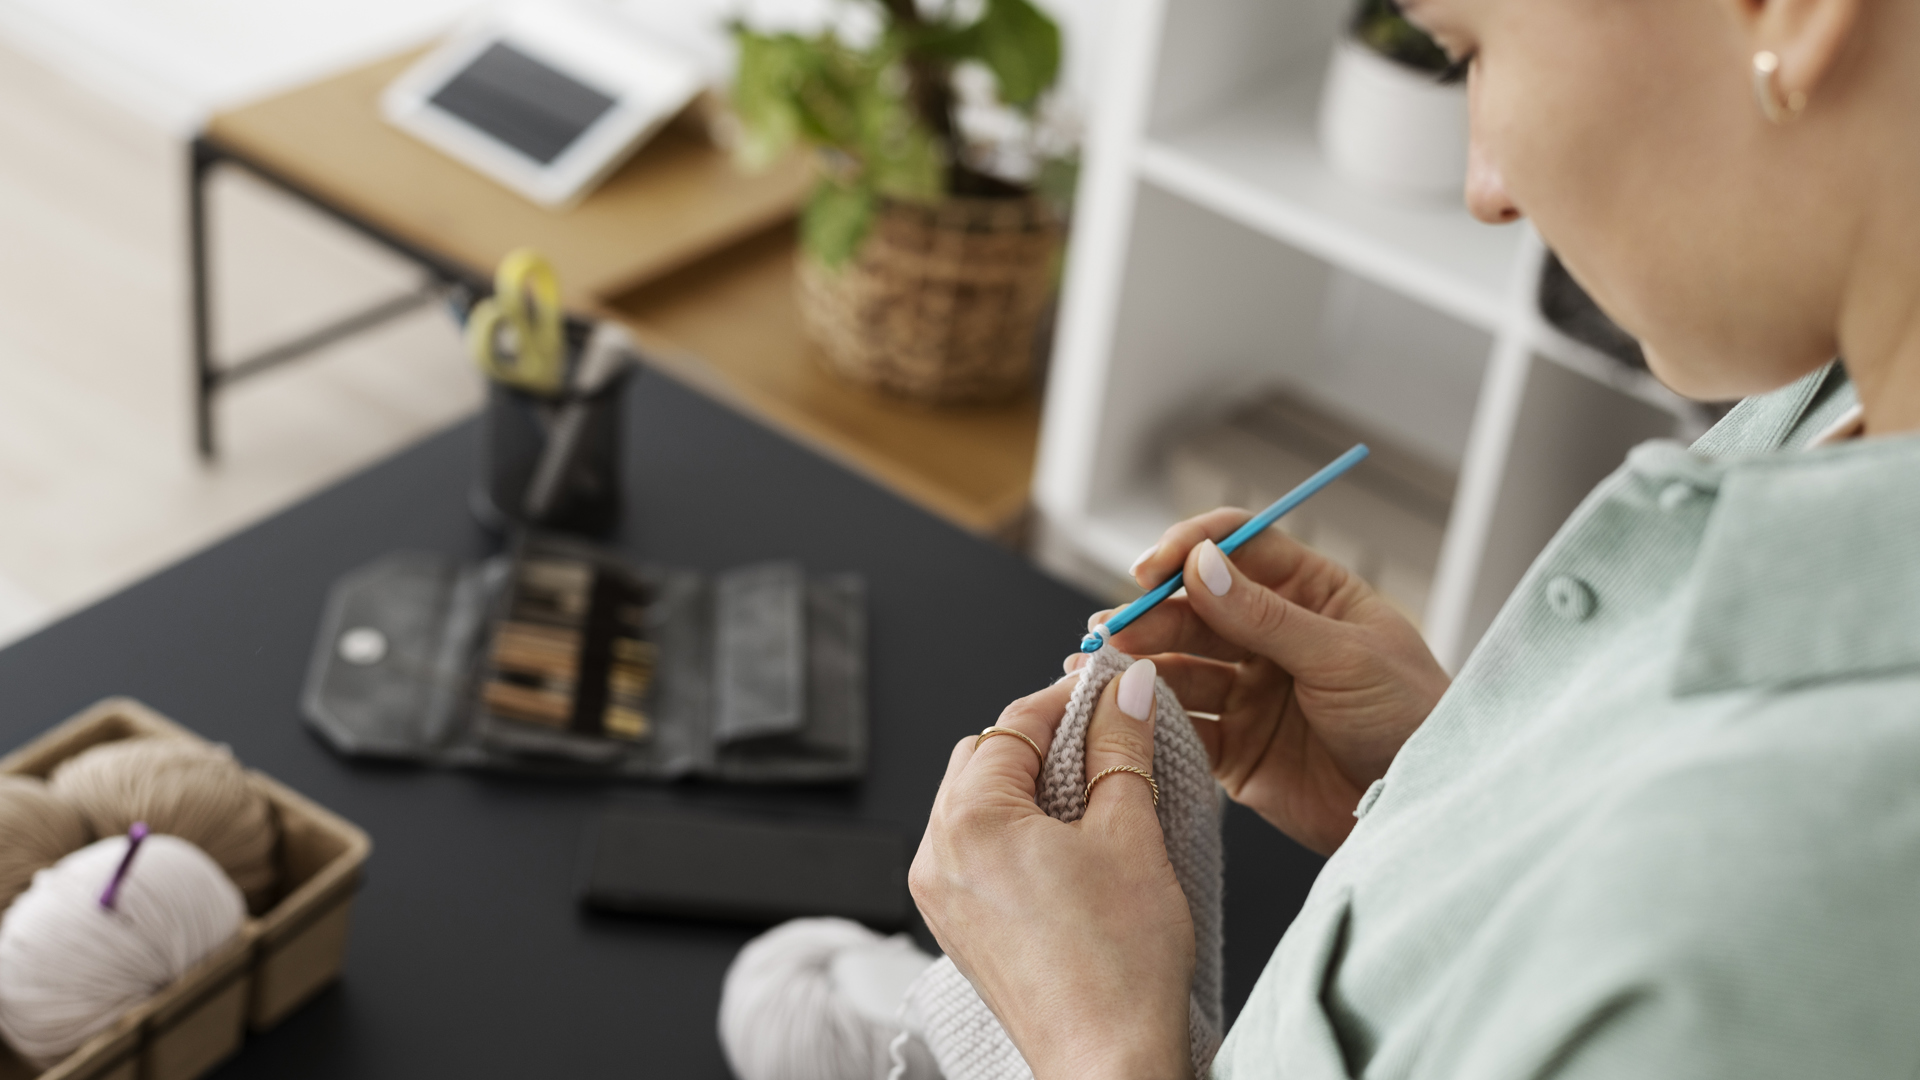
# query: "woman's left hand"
[[1077, 936]]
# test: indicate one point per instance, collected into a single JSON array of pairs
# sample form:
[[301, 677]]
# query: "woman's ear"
[[1808, 36]]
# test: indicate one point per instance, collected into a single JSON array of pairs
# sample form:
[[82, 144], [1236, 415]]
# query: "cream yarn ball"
[[181, 788], [817, 999], [69, 967], [36, 830]]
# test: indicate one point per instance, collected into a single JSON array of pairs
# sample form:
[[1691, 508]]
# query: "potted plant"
[[927, 256], [1393, 112]]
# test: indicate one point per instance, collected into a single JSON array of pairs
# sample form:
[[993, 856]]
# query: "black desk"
[[469, 957]]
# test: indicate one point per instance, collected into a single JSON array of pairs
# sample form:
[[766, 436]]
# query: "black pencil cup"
[[514, 430]]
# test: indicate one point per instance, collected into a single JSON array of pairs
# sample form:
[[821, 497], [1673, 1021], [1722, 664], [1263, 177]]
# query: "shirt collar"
[[1809, 568], [1787, 418]]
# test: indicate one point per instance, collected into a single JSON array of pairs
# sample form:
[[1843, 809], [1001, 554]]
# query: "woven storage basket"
[[941, 303], [279, 960]]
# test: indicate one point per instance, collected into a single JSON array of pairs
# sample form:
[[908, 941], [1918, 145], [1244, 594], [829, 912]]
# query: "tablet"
[[547, 98]]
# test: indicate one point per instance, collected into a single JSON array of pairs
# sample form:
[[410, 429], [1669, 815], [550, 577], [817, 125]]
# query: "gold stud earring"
[[1775, 105]]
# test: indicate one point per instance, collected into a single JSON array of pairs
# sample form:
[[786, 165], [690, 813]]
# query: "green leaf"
[[897, 153], [792, 90], [1379, 24], [1058, 180], [817, 90], [1015, 40], [772, 69], [836, 219]]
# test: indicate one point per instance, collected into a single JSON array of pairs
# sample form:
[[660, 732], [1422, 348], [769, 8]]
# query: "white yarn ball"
[[818, 999], [70, 967]]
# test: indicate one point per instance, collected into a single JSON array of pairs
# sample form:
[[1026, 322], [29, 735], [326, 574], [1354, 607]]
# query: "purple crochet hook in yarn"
[[134, 836]]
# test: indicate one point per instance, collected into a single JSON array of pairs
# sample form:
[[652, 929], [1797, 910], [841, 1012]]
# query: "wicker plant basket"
[[942, 303]]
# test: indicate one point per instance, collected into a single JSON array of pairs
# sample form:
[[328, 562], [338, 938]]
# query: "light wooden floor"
[[98, 486]]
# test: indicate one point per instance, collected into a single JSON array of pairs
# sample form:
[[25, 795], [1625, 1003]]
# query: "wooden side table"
[[695, 256]]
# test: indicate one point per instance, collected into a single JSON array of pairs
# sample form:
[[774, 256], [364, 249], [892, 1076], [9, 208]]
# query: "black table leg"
[[210, 376], [202, 158]]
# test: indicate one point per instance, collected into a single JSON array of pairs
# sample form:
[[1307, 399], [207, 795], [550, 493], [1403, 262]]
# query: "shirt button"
[[1570, 598], [1675, 496], [1369, 797]]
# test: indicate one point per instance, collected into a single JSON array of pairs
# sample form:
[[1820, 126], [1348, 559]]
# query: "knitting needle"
[[1094, 641], [134, 836]]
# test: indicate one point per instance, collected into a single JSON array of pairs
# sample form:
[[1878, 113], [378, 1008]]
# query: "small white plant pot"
[[1392, 129]]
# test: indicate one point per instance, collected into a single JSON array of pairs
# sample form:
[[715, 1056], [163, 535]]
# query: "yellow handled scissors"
[[516, 336]]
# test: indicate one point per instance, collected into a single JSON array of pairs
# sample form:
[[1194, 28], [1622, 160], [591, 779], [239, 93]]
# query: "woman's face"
[[1628, 132]]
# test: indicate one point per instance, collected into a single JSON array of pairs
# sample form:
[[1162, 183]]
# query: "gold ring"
[[1104, 773], [989, 733]]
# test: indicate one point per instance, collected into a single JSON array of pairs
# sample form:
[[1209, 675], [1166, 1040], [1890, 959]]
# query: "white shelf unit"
[[1217, 255]]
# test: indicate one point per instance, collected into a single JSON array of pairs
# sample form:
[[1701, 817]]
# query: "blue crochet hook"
[[1093, 642]]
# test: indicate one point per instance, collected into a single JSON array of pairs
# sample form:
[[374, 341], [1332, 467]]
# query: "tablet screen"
[[522, 102]]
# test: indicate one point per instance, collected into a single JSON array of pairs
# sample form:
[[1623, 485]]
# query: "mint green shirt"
[[1666, 823]]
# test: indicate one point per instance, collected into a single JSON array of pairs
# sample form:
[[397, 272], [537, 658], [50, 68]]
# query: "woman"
[[1667, 820]]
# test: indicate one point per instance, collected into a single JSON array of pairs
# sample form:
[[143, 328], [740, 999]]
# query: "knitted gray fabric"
[[942, 1008]]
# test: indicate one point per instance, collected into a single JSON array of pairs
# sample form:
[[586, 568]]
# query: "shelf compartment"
[[1257, 161], [1384, 521]]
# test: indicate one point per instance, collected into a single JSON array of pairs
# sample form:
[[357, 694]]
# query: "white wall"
[[173, 61]]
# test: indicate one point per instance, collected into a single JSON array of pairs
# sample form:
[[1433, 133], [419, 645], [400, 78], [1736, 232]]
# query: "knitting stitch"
[[942, 1008]]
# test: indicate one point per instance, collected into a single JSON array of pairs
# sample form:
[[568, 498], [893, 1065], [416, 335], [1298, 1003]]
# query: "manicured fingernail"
[[1144, 556], [1136, 690], [1213, 569], [1074, 663], [1070, 676]]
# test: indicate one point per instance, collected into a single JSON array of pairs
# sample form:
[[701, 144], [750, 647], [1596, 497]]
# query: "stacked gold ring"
[[1141, 773], [988, 733]]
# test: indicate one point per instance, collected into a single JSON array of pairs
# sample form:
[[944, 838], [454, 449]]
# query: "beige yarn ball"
[[36, 831], [183, 788]]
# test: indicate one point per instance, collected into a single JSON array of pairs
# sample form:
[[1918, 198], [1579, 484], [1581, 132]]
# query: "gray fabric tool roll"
[[942, 1008]]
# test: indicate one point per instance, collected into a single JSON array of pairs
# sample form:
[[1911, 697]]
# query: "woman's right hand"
[[1316, 679]]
